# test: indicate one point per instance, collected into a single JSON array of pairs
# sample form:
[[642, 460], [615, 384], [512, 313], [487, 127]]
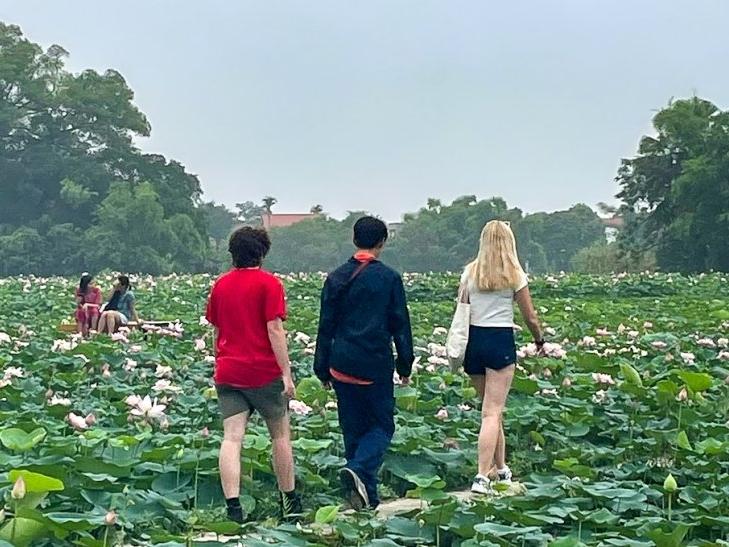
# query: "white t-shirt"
[[491, 308]]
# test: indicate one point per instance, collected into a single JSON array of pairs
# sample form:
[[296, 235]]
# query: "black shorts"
[[489, 347]]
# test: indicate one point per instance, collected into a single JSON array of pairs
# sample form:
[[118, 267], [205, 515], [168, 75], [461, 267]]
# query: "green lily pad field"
[[620, 436]]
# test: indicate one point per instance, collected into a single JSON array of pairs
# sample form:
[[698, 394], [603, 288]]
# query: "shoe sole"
[[353, 489]]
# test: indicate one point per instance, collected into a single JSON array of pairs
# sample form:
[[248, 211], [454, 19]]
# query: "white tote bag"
[[458, 334]]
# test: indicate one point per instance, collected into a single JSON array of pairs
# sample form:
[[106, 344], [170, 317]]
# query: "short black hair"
[[124, 281], [369, 232], [249, 246]]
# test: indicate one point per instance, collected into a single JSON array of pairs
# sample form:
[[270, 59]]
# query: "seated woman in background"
[[120, 309], [88, 302]]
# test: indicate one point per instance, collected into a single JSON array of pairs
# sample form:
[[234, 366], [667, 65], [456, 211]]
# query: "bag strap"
[[464, 296], [345, 288]]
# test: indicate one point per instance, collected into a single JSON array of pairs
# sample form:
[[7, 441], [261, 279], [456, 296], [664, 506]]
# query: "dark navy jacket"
[[359, 323]]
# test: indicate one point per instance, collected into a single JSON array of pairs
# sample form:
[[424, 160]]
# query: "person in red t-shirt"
[[247, 307]]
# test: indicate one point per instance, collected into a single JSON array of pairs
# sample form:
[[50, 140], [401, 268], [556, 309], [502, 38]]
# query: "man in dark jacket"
[[363, 310]]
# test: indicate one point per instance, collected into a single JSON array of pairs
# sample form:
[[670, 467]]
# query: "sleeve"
[[98, 297], [210, 312], [523, 283], [325, 335], [399, 325], [274, 304]]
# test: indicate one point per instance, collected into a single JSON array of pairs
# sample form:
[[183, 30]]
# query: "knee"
[[491, 413], [233, 437]]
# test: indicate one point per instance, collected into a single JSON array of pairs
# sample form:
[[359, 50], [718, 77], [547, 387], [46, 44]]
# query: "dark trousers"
[[367, 419]]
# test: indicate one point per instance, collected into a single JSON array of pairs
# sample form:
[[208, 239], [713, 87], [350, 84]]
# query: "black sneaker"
[[354, 489], [290, 505], [236, 514]]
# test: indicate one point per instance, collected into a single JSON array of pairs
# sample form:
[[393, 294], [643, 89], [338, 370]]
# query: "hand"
[[289, 387]]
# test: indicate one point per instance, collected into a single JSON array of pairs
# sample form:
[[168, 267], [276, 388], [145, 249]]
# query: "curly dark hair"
[[249, 246]]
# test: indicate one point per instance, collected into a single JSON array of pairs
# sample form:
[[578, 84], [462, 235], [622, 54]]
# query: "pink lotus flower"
[[723, 355], [130, 365], [437, 350], [546, 373], [723, 342], [299, 407], [119, 337], [302, 338], [110, 518], [442, 414], [567, 382], [549, 392], [682, 395], [440, 331], [55, 400], [647, 325], [633, 333], [77, 422], [163, 372], [587, 341], [90, 420], [200, 344], [659, 344], [203, 321], [550, 331], [621, 328], [706, 343], [5, 338], [464, 407], [602, 332], [133, 400], [136, 348], [165, 386], [437, 361], [331, 405], [688, 357], [205, 432], [605, 379]]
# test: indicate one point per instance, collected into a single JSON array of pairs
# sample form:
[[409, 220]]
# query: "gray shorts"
[[268, 400]]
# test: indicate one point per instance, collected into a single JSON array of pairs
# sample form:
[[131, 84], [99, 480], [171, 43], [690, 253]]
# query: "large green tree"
[[676, 189], [66, 149]]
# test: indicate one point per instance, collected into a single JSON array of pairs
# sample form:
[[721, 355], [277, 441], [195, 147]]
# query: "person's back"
[[370, 313], [242, 303]]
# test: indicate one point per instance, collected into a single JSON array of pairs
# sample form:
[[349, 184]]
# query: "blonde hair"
[[497, 266]]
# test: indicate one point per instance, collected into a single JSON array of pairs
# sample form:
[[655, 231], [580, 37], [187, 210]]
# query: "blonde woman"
[[493, 282]]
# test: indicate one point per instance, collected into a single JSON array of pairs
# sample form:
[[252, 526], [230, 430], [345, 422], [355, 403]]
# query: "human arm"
[[325, 334], [399, 325], [526, 307], [277, 337]]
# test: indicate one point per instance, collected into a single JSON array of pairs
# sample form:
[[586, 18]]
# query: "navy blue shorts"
[[489, 347]]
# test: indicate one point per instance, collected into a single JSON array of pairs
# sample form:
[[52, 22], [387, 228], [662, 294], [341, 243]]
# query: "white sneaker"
[[505, 475], [482, 485]]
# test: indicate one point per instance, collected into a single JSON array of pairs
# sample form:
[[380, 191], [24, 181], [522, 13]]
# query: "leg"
[[234, 429], [102, 322], [500, 455], [350, 410], [496, 389], [283, 456], [379, 412]]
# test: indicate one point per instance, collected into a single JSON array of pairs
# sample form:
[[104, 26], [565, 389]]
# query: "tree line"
[[77, 194]]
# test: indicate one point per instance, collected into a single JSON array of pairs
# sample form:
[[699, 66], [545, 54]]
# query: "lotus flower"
[[567, 382], [723, 355], [647, 325], [133, 400], [200, 344], [110, 518], [77, 422], [464, 407], [605, 379], [119, 337], [136, 348], [587, 341], [688, 357], [299, 407], [302, 338], [90, 420], [550, 331], [165, 386], [682, 395], [706, 343], [148, 409], [130, 365], [5, 338], [723, 342], [205, 432], [659, 344], [549, 392], [204, 321], [621, 328], [331, 405], [55, 400], [163, 372], [18, 492], [599, 397], [442, 414], [437, 350], [12, 372], [440, 331], [602, 332]]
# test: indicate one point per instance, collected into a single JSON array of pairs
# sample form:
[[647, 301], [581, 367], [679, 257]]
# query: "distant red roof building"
[[613, 222], [282, 220]]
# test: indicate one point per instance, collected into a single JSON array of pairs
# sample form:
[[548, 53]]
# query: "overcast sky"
[[379, 105]]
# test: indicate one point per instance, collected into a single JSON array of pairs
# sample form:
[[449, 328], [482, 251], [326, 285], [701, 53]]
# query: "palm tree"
[[268, 203]]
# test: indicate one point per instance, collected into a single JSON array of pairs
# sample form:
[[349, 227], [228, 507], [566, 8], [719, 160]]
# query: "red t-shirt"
[[241, 304]]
